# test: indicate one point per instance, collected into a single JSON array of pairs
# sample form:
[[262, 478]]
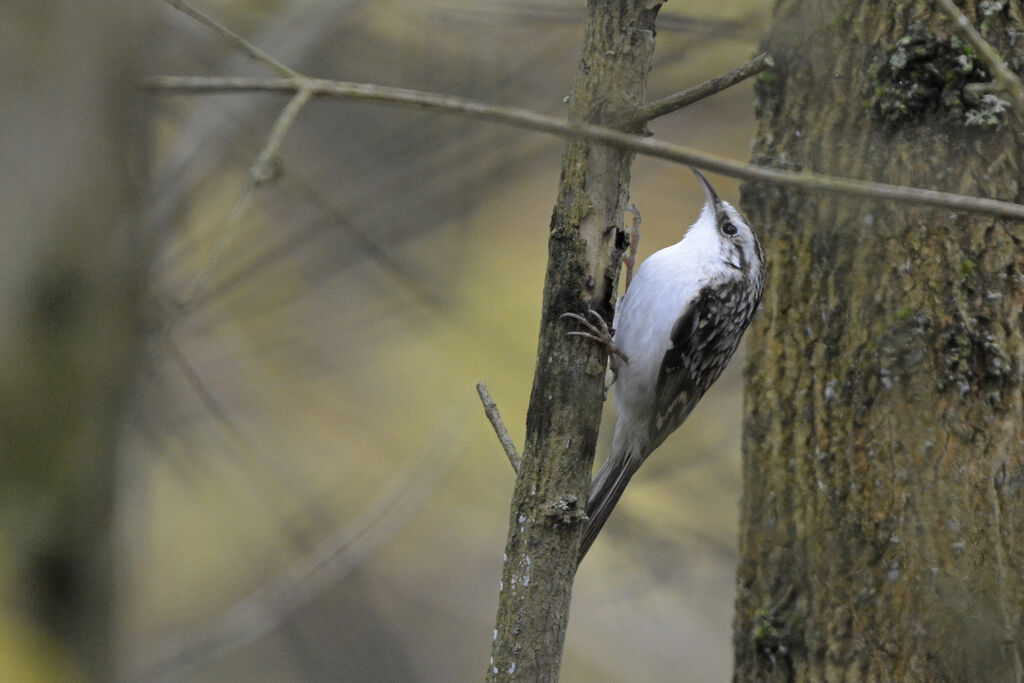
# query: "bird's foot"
[[600, 333]]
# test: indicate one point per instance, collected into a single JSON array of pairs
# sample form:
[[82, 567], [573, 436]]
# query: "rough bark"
[[69, 315], [882, 520], [585, 246]]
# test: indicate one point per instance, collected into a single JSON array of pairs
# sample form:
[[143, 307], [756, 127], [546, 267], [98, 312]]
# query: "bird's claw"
[[600, 333]]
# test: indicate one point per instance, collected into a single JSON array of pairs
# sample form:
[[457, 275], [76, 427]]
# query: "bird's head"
[[727, 235]]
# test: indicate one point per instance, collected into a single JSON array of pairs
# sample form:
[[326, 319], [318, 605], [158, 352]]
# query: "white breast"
[[661, 289], [643, 324]]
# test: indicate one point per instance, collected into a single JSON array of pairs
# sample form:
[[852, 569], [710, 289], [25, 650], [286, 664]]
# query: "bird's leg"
[[634, 244], [599, 333]]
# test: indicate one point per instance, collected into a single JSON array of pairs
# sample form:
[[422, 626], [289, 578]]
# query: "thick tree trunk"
[[883, 507], [584, 252]]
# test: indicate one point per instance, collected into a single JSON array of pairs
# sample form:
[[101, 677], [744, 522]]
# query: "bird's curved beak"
[[709, 192]]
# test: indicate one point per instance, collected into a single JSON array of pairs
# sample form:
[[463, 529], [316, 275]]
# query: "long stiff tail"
[[605, 492]]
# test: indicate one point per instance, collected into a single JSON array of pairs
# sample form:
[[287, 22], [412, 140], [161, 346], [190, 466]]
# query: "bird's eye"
[[729, 229]]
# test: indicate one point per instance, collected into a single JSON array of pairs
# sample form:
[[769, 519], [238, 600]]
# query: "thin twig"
[[208, 132], [667, 105], [233, 38], [523, 118], [262, 171], [1006, 79], [494, 415]]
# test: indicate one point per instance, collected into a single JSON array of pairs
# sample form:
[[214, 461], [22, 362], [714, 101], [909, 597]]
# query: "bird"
[[675, 329]]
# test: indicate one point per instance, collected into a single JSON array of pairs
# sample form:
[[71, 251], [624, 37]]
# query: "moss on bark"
[[883, 510]]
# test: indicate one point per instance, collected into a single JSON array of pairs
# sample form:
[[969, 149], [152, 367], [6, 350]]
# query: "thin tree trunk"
[[585, 248], [882, 531]]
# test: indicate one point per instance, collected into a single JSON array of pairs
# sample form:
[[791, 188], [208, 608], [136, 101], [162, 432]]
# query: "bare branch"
[[263, 170], [210, 130], [232, 38], [494, 415], [523, 118], [1005, 78], [667, 105]]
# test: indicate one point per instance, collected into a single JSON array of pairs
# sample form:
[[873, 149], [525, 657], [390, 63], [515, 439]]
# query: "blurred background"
[[308, 488]]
